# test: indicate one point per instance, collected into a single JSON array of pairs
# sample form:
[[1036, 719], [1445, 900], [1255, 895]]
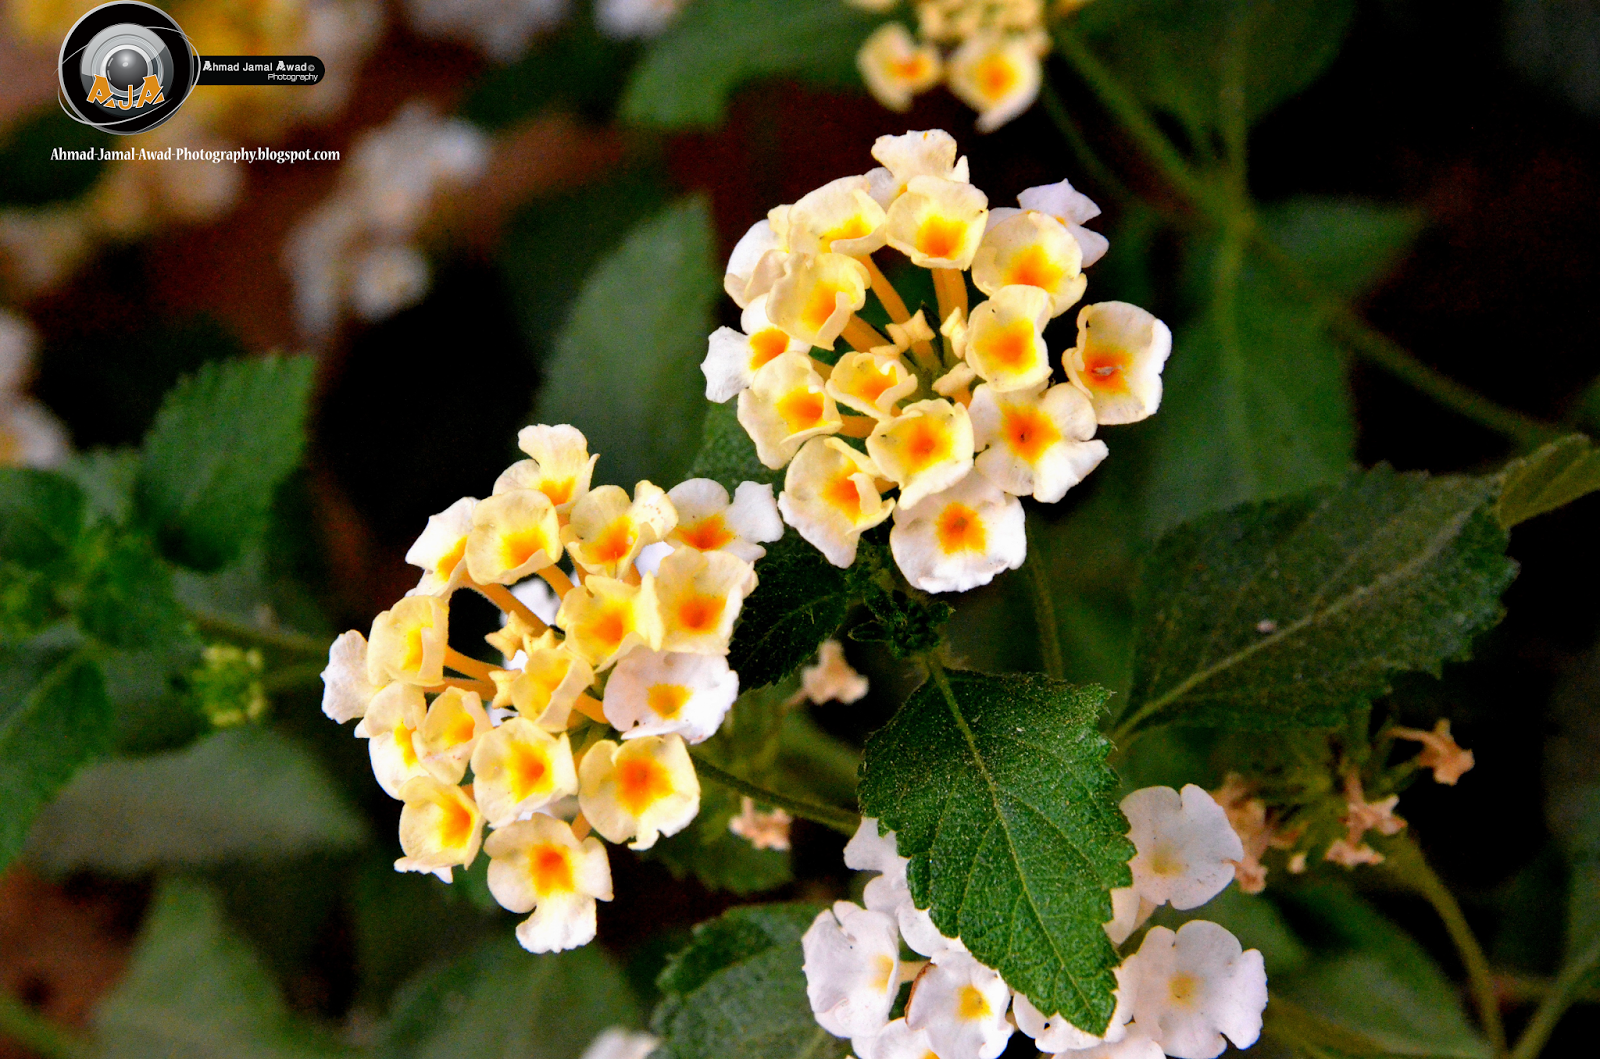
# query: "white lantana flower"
[[1037, 442], [670, 692], [960, 538], [734, 357], [393, 719], [1118, 360], [996, 74], [1072, 208], [755, 264], [642, 789], [707, 521], [1055, 1034], [520, 768], [1195, 987], [890, 893], [30, 435], [1186, 847], [636, 19], [961, 1005], [616, 1042], [830, 496], [346, 691], [832, 679], [897, 1040], [539, 865], [931, 152], [440, 549], [852, 967]]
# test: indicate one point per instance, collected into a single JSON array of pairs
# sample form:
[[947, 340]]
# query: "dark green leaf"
[[127, 598], [626, 367], [108, 478], [1256, 402], [1307, 1034], [41, 518], [998, 790], [717, 857], [222, 442], [29, 177], [28, 603], [1291, 613], [194, 990], [54, 717], [738, 991], [1176, 53], [727, 455], [577, 67], [1557, 474], [687, 75], [909, 626], [503, 1002], [241, 794], [801, 600]]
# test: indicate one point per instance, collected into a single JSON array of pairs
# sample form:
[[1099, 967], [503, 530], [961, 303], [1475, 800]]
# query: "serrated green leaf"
[[240, 794], [738, 991], [193, 990], [1257, 404], [127, 598], [1552, 477], [41, 518], [626, 367], [1290, 613], [54, 717], [502, 1002], [224, 439], [1175, 53], [998, 791], [801, 600], [687, 75]]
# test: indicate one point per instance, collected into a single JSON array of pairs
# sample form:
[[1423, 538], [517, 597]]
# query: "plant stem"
[[278, 639], [1561, 995], [840, 820], [1406, 863], [1044, 609], [301, 674], [21, 1024], [1072, 132]]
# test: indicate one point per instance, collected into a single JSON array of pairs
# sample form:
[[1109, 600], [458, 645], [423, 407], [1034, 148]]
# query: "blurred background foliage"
[[204, 889]]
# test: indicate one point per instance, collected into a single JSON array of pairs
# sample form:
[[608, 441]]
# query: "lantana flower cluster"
[[586, 725], [990, 53], [961, 415], [1183, 993], [504, 29]]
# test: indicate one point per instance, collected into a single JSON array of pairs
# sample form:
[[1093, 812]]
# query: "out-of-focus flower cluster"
[[961, 421], [357, 251], [1180, 994], [990, 53], [589, 717], [503, 29], [29, 435]]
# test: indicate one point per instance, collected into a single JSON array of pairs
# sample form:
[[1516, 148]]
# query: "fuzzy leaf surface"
[[1552, 477], [54, 717], [41, 518], [1288, 614], [625, 369], [738, 991], [223, 441], [1000, 794], [801, 600]]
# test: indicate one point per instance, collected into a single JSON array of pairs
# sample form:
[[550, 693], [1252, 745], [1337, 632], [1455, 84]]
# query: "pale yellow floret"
[[831, 497], [394, 717], [817, 296], [455, 721], [1005, 338], [440, 549], [514, 534], [914, 330], [539, 865], [1035, 442], [519, 768], [786, 405], [699, 594], [1118, 360], [642, 789], [605, 618], [734, 357], [871, 383], [895, 67], [998, 75], [562, 466], [1034, 250], [840, 217], [928, 447], [548, 683], [912, 154], [956, 20], [440, 827], [938, 223], [608, 530], [408, 642]]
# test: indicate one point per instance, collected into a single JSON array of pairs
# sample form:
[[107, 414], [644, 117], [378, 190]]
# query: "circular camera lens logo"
[[126, 67]]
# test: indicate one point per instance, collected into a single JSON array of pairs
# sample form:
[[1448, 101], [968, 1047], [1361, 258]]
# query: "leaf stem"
[[25, 1026], [1555, 1003], [1044, 609], [301, 674], [840, 820], [1406, 863], [278, 639]]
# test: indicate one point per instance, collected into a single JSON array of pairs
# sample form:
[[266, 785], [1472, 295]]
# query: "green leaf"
[[738, 991], [193, 990], [244, 793], [576, 67], [224, 439], [501, 1001], [127, 598], [727, 455], [1257, 404], [1307, 1034], [717, 857], [28, 176], [54, 717], [108, 478], [909, 625], [1176, 53], [41, 518], [688, 74], [1291, 613], [998, 791], [1552, 477], [801, 600], [625, 369]]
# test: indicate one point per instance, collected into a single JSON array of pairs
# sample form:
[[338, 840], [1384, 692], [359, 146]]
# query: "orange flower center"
[[911, 69], [973, 1005], [551, 869], [960, 529], [765, 345], [1106, 370], [842, 493], [820, 306], [450, 560], [800, 409], [1033, 267], [1012, 346], [707, 535], [402, 740], [874, 382], [699, 613], [455, 823], [853, 228], [667, 700], [941, 236], [520, 546], [996, 76], [1029, 432], [559, 490], [924, 443], [527, 769], [614, 542], [608, 628], [641, 782]]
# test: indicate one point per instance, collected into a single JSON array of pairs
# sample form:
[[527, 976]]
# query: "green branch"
[[277, 639], [1560, 997], [841, 820], [1044, 609], [22, 1024]]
